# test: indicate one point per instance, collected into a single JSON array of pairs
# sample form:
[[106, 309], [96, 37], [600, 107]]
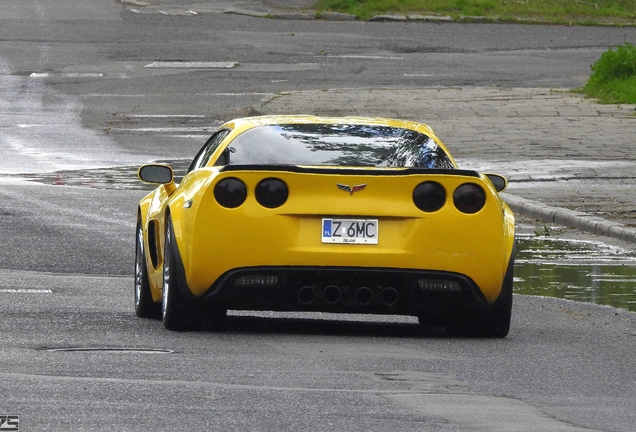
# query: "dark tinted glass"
[[336, 145], [203, 157]]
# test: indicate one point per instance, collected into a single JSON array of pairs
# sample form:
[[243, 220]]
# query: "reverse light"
[[429, 196], [469, 198], [256, 281], [230, 192], [438, 285], [271, 192]]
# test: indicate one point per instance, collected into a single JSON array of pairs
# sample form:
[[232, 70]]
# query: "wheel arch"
[[177, 260], [508, 281]]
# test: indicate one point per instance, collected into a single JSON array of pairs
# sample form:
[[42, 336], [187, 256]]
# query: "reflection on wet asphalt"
[[545, 266], [576, 270], [105, 178]]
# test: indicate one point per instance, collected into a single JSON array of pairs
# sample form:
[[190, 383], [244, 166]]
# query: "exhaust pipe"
[[306, 295], [364, 295], [389, 296], [332, 294]]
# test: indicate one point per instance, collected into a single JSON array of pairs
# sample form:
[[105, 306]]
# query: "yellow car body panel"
[[445, 240], [151, 209]]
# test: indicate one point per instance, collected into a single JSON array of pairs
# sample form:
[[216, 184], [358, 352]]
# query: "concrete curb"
[[411, 18], [570, 218]]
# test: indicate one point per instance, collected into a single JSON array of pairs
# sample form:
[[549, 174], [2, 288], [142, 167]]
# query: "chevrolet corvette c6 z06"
[[304, 213]]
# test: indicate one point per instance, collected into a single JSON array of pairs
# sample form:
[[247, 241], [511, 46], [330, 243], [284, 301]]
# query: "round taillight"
[[230, 192], [469, 198], [271, 192], [429, 196]]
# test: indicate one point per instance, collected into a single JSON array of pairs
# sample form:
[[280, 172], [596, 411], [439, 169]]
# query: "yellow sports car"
[[304, 213]]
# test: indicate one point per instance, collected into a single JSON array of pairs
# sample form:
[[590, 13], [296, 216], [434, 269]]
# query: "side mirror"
[[499, 182], [161, 174]]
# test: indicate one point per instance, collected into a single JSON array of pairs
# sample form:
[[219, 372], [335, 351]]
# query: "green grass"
[[613, 78], [621, 12]]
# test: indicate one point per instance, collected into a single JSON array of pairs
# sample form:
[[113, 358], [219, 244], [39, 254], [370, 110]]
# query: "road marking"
[[280, 67], [192, 136], [166, 115], [27, 126], [135, 3], [190, 65], [166, 129], [366, 57], [25, 291], [67, 75]]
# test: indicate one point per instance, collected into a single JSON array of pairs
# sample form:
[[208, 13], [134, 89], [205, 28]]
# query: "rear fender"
[[177, 260], [151, 209]]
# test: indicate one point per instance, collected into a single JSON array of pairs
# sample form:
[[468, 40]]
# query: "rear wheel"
[[145, 307], [213, 316], [495, 323], [177, 313]]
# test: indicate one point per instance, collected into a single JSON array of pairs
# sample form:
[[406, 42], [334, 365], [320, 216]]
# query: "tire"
[[178, 314], [213, 316], [495, 323], [145, 307]]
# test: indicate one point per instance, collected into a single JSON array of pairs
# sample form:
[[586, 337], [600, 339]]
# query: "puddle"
[[105, 178], [576, 270]]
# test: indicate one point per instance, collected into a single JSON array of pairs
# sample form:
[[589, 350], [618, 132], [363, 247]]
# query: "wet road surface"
[[87, 86]]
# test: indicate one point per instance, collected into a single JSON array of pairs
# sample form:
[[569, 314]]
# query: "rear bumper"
[[421, 293]]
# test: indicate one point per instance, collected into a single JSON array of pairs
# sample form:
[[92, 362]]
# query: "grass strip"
[[600, 12]]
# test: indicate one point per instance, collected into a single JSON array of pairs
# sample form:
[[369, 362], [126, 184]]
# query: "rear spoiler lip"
[[350, 171]]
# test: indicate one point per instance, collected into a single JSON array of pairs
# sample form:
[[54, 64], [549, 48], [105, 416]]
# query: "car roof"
[[245, 123]]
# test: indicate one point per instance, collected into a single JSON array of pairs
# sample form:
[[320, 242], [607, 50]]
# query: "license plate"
[[356, 231]]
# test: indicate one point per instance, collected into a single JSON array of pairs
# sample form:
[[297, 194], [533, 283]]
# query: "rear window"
[[335, 145]]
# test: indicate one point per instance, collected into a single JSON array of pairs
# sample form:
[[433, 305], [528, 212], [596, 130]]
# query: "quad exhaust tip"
[[364, 295], [306, 295], [389, 296], [332, 294]]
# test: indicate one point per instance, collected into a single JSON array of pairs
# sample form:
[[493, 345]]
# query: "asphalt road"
[[88, 85]]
